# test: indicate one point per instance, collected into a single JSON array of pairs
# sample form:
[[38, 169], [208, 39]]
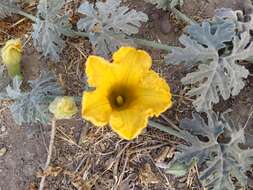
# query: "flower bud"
[[63, 107], [11, 55]]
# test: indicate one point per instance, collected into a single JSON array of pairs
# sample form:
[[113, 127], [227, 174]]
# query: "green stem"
[[165, 129], [52, 97], [153, 44], [182, 16], [81, 34], [27, 15]]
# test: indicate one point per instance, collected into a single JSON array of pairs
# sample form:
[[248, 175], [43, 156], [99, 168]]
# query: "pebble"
[[165, 25], [3, 128], [3, 151]]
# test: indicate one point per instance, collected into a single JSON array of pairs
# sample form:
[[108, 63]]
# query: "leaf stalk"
[[165, 129]]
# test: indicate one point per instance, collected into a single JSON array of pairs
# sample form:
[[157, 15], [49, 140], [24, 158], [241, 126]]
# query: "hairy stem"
[[163, 128], [50, 151], [153, 44], [27, 15]]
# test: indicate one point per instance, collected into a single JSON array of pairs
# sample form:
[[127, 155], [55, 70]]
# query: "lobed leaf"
[[165, 4], [193, 53], [108, 23], [213, 35], [108, 42], [32, 106], [202, 43], [7, 7], [50, 27], [215, 148], [215, 48]]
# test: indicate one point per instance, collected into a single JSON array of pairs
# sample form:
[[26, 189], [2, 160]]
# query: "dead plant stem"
[[50, 151]]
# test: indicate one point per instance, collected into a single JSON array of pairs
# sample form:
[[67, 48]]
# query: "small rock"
[[3, 151], [3, 128], [165, 25], [155, 16]]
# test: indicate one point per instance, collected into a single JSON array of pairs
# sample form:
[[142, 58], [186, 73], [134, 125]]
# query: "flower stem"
[[182, 16], [165, 129]]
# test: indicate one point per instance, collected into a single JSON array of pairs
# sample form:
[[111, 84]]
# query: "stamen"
[[120, 100], [18, 46]]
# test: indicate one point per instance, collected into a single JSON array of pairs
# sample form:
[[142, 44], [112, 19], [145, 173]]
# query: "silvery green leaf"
[[236, 73], [14, 91], [108, 23], [244, 23], [32, 106], [220, 159], [50, 27], [221, 77], [193, 52], [108, 42], [165, 4], [212, 35], [218, 74], [212, 82], [203, 43], [7, 7], [226, 13]]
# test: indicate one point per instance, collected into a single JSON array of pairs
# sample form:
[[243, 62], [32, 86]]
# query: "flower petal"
[[132, 56], [96, 107], [129, 123], [153, 94], [99, 71], [131, 64]]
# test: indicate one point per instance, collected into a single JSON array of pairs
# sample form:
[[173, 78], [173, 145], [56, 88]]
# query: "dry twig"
[[50, 150]]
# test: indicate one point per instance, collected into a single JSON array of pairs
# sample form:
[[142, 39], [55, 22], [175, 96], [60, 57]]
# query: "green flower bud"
[[63, 107], [11, 55]]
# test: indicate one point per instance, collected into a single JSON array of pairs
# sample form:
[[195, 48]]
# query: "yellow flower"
[[11, 55], [63, 107], [127, 92]]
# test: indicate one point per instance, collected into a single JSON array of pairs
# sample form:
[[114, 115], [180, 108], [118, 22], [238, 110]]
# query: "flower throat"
[[119, 101]]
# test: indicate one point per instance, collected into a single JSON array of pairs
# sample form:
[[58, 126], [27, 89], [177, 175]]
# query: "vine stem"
[[50, 151], [142, 42], [27, 15], [51, 98], [153, 44], [163, 128]]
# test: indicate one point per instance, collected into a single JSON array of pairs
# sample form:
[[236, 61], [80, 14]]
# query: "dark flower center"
[[121, 97]]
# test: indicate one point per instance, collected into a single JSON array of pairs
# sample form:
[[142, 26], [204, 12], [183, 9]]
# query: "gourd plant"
[[213, 50]]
